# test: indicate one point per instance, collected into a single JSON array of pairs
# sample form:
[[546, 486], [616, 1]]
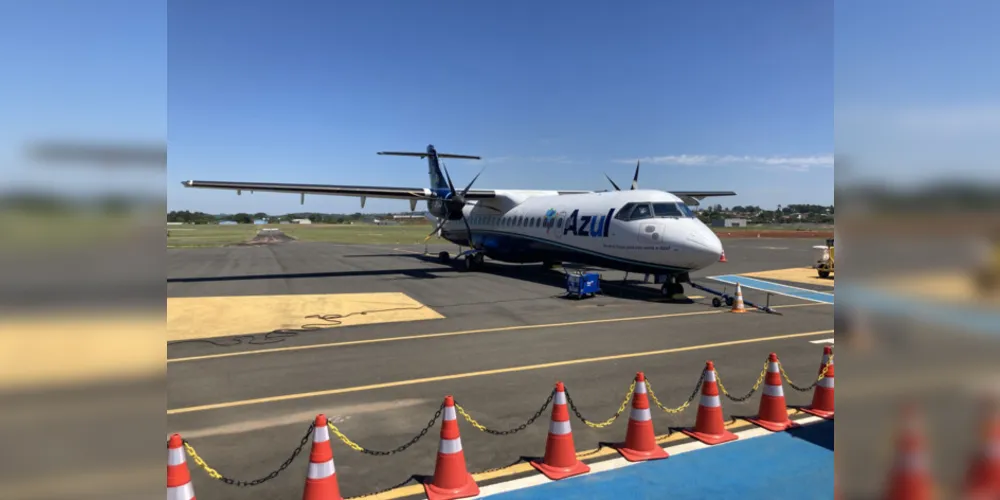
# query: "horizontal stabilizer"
[[424, 155]]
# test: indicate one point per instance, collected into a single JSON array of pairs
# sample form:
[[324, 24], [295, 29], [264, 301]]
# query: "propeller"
[[455, 203], [635, 178]]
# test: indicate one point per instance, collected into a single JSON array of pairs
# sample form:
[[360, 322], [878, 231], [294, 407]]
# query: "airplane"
[[639, 230]]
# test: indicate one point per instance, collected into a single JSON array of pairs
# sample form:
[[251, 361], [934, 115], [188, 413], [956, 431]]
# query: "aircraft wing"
[[402, 193], [694, 197]]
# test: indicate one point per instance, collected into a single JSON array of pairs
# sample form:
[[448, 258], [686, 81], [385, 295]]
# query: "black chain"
[[697, 389], [413, 441], [255, 482], [525, 425], [572, 406], [744, 398], [803, 389]]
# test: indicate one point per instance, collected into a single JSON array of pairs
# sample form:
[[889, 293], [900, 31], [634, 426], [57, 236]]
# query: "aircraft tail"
[[439, 183]]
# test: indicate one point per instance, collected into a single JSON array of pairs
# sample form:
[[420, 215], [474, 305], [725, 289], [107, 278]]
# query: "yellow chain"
[[333, 428], [468, 417], [201, 463], [756, 385], [631, 389], [821, 376], [649, 388]]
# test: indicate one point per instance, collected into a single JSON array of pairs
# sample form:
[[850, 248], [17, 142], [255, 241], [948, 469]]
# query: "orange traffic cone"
[[983, 477], [451, 478], [722, 258], [709, 428], [321, 480], [738, 306], [640, 440], [822, 403], [773, 413], [910, 478], [560, 454], [178, 476]]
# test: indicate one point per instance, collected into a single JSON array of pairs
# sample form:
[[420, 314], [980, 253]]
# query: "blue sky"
[[551, 95]]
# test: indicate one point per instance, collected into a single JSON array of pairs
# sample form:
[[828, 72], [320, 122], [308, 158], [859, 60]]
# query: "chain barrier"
[[236, 482], [514, 430], [694, 394], [821, 376], [357, 447], [600, 425], [756, 386]]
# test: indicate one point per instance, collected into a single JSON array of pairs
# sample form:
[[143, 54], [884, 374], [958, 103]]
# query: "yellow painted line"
[[462, 332], [522, 467], [498, 371], [795, 274], [206, 317]]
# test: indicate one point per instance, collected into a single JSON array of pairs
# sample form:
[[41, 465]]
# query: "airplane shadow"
[[533, 273]]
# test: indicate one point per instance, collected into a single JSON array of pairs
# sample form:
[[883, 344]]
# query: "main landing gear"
[[470, 259]]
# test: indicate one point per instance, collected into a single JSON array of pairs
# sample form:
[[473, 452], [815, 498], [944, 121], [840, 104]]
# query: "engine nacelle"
[[452, 209]]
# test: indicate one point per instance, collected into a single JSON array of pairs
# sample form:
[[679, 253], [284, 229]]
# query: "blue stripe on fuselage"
[[525, 248]]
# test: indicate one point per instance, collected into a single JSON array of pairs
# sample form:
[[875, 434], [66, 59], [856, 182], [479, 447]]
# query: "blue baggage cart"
[[582, 284]]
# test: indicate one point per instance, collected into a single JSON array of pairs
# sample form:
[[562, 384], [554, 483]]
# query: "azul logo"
[[595, 226]]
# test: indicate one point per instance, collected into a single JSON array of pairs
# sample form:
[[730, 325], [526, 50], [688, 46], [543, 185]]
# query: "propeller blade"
[[612, 183], [466, 190], [635, 179], [448, 177], [467, 228], [437, 229]]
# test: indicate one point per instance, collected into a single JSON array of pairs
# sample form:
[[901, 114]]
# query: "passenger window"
[[559, 223], [624, 212], [640, 212]]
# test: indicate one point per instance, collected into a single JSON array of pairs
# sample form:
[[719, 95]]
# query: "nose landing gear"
[[673, 290]]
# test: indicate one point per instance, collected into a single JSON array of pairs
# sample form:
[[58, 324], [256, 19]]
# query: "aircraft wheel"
[[824, 274], [444, 257], [716, 302], [478, 259], [729, 301]]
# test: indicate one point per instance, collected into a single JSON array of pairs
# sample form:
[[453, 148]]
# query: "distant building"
[[260, 222], [729, 223], [301, 221], [227, 223]]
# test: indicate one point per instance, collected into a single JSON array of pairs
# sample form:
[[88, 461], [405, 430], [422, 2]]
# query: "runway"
[[503, 338]]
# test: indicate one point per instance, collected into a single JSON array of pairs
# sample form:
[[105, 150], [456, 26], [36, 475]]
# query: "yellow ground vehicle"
[[824, 266]]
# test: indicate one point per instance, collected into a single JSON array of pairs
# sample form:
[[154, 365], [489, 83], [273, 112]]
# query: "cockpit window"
[[672, 210], [641, 211]]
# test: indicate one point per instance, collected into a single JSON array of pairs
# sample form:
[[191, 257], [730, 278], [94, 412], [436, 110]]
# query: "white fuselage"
[[644, 230]]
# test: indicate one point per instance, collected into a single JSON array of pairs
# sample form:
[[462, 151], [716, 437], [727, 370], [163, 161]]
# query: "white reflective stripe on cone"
[[640, 387], [185, 492], [560, 398], [773, 390], [321, 471], [559, 428], [175, 456], [826, 383], [709, 376], [640, 415], [321, 434], [449, 446], [826, 360], [710, 401], [772, 367], [449, 413]]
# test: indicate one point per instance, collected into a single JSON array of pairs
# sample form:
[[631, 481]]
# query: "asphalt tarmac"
[[507, 336]]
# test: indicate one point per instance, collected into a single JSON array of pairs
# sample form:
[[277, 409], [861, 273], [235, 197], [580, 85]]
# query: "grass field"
[[193, 236]]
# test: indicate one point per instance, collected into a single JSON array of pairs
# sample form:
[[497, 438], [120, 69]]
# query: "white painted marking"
[[620, 462], [824, 341]]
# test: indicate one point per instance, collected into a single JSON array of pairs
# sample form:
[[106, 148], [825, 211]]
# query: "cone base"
[[741, 311], [322, 489], [469, 489], [711, 439], [819, 413], [773, 426], [657, 453], [557, 473]]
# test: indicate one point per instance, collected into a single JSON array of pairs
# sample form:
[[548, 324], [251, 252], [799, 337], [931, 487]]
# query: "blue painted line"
[[791, 464], [767, 286], [971, 319]]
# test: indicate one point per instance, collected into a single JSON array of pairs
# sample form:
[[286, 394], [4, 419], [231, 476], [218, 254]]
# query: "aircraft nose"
[[706, 243]]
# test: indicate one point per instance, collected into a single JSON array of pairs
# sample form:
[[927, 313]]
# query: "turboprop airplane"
[[639, 230]]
